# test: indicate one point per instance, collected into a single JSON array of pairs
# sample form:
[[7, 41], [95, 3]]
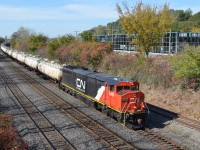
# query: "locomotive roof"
[[111, 80]]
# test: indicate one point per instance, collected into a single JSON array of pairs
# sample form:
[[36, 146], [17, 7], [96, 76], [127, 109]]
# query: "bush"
[[36, 41], [187, 66], [54, 44], [151, 71], [85, 54], [8, 137]]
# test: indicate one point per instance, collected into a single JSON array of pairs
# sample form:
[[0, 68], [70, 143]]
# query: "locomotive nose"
[[134, 102]]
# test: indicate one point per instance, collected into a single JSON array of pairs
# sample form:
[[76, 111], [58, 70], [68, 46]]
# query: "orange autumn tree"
[[84, 54]]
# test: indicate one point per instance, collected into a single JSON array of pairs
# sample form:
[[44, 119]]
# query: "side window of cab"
[[112, 88], [119, 88]]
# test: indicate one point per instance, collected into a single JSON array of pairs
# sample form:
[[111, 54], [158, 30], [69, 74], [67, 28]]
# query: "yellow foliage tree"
[[195, 29], [147, 22]]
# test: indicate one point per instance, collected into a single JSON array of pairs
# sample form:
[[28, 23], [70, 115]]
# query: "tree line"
[[148, 23], [185, 21]]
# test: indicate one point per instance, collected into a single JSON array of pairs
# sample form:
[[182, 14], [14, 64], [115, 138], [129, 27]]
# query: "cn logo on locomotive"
[[80, 84]]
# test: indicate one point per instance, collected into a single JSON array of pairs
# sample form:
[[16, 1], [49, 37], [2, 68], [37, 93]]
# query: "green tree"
[[19, 39], [35, 41], [196, 22], [101, 30], [114, 28], [185, 26], [187, 64], [54, 44], [181, 15], [2, 40], [185, 21], [147, 22], [195, 17], [87, 36], [66, 39]]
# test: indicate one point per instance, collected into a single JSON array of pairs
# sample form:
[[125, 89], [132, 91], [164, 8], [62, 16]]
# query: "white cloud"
[[71, 11], [92, 11], [17, 13]]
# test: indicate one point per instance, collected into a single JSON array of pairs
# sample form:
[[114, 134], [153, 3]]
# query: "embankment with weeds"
[[171, 82], [8, 136], [151, 71]]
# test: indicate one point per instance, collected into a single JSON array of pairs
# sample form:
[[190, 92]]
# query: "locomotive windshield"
[[134, 87], [127, 88]]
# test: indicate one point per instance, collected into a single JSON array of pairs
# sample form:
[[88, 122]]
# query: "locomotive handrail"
[[147, 108], [126, 111], [129, 105], [124, 106]]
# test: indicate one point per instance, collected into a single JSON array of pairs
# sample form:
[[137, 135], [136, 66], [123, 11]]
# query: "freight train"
[[119, 98]]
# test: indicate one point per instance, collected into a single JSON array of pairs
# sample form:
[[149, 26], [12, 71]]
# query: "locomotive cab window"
[[134, 87], [119, 88], [126, 87], [111, 87]]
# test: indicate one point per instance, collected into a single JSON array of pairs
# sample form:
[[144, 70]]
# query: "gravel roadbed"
[[66, 125]]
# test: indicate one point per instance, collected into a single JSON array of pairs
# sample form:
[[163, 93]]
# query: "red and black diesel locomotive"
[[118, 97]]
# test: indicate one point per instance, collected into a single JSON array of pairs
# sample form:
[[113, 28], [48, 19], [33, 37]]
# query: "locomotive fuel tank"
[[53, 70]]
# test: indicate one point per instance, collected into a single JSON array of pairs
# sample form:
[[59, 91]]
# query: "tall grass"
[[151, 71]]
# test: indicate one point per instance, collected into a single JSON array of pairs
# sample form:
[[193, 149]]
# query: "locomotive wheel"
[[62, 87], [96, 106], [105, 111], [59, 86], [119, 117]]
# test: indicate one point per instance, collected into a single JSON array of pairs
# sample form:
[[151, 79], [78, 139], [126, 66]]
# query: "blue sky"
[[59, 17]]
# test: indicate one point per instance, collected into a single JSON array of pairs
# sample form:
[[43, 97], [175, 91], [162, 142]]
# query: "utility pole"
[[170, 41], [76, 33]]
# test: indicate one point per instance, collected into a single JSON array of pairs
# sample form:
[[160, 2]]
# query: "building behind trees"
[[171, 43]]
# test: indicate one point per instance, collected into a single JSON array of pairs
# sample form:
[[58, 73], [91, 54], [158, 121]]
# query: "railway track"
[[163, 142], [188, 122], [53, 139], [99, 131], [157, 139]]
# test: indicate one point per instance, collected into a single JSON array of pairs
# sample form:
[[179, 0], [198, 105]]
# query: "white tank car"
[[52, 70], [21, 57], [9, 51], [4, 49], [14, 54], [32, 62]]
